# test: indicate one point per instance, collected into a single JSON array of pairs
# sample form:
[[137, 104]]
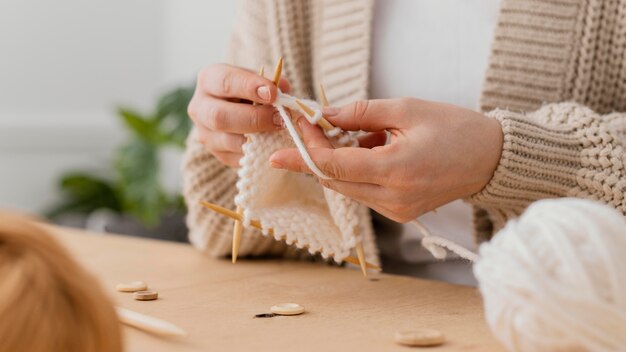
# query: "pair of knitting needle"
[[238, 216], [257, 224]]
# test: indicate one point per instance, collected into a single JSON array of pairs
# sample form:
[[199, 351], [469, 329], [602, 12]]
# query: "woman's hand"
[[437, 153], [222, 113]]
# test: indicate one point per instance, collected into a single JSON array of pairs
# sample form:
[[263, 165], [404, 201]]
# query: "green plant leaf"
[[146, 128], [83, 193], [138, 170], [135, 190], [175, 103], [174, 122]]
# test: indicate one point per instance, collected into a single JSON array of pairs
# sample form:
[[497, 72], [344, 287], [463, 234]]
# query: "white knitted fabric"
[[297, 208]]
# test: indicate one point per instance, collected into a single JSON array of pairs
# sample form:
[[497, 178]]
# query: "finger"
[[362, 192], [373, 139], [370, 195], [224, 116], [346, 164], [230, 159], [226, 81], [312, 135], [284, 86], [368, 115], [224, 142]]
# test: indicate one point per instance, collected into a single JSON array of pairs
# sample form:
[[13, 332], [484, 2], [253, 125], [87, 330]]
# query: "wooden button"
[[146, 295], [420, 337], [287, 309], [132, 286]]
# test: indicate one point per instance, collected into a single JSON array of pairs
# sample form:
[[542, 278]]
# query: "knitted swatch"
[[295, 206]]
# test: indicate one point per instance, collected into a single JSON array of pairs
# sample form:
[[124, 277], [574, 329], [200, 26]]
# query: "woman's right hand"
[[222, 113]]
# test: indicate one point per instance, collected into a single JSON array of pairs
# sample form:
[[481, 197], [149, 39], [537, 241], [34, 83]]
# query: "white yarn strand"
[[299, 144], [285, 100], [437, 245]]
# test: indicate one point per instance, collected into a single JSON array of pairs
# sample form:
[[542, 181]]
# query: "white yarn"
[[285, 100], [437, 245], [296, 207], [555, 280]]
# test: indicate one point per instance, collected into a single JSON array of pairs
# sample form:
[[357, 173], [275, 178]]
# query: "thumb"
[[368, 115]]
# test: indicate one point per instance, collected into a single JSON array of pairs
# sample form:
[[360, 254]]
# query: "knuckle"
[[334, 170], [217, 119], [255, 119], [360, 107], [249, 85], [224, 80]]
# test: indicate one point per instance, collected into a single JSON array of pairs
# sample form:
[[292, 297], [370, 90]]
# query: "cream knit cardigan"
[[556, 82]]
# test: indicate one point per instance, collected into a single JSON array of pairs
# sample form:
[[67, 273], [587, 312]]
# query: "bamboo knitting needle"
[[256, 224], [278, 71], [360, 253], [323, 98], [322, 122]]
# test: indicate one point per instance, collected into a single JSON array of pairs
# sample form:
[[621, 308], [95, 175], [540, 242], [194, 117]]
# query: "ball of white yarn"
[[555, 279]]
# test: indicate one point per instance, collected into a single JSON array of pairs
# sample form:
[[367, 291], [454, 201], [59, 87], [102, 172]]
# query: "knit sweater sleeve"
[[560, 150]]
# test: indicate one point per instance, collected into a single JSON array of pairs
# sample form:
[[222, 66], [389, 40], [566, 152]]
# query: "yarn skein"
[[47, 301], [555, 279]]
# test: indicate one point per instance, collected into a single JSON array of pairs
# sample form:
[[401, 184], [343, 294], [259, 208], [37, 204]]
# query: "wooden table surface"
[[215, 301]]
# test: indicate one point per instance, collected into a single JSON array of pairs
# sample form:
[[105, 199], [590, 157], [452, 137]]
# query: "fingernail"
[[264, 93], [275, 164], [330, 111], [278, 120]]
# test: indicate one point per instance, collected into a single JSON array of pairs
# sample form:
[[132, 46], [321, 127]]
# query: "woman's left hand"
[[437, 153]]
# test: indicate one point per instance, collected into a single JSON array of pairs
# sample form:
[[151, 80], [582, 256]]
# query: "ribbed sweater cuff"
[[539, 160]]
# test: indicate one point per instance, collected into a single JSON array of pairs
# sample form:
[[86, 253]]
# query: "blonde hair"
[[47, 301]]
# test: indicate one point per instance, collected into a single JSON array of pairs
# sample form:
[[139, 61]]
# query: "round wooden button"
[[132, 286], [146, 295], [420, 337], [287, 309]]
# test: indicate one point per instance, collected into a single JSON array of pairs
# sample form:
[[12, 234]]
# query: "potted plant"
[[130, 198]]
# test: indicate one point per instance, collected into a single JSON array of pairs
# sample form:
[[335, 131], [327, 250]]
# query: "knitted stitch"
[[297, 208], [567, 52]]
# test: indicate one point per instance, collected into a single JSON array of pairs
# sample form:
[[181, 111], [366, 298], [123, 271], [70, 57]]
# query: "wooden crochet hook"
[[238, 229], [257, 224]]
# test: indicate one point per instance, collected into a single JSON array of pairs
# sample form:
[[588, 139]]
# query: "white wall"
[[65, 66]]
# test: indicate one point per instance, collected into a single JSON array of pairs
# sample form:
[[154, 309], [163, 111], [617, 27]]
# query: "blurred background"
[[93, 100]]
